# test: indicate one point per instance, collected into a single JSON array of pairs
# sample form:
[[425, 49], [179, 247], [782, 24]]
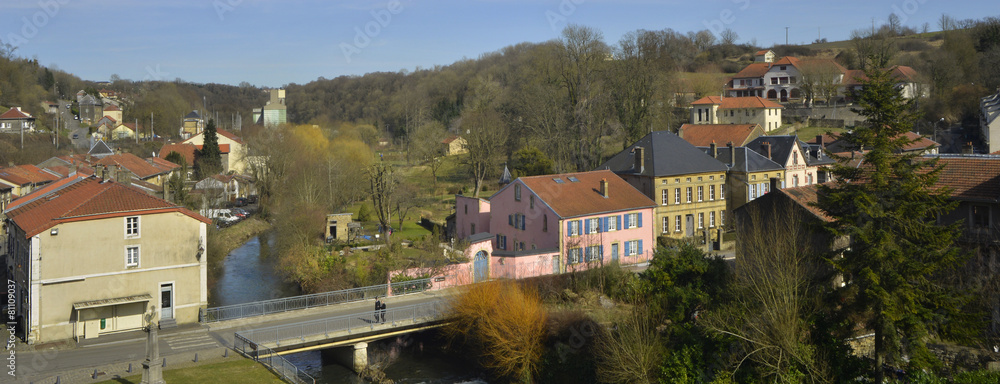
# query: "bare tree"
[[583, 60], [874, 49], [631, 352], [383, 184], [486, 131], [728, 37]]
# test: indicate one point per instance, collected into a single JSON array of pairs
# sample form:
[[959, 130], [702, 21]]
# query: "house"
[[25, 178], [748, 176], [793, 79], [764, 56], [216, 190], [803, 164], [688, 185], [153, 170], [275, 112], [917, 143], [906, 80], [453, 145], [989, 124], [100, 150], [737, 110], [90, 108], [193, 124], [340, 227], [16, 121], [551, 224], [111, 254], [702, 135], [113, 111], [232, 147]]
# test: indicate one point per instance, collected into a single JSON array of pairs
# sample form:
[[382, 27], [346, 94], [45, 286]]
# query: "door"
[[555, 265], [689, 228], [614, 252], [167, 301], [481, 267]]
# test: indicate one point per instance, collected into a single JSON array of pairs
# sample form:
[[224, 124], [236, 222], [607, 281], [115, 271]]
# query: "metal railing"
[[266, 307], [292, 334], [273, 361]]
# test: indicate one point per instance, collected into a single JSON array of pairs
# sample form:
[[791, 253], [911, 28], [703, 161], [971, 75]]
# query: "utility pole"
[[136, 131]]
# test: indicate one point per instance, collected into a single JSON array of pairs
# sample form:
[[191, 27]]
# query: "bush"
[[364, 213], [911, 45]]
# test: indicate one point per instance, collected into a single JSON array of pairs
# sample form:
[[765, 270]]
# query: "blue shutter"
[[510, 219], [640, 219], [569, 227], [600, 225], [626, 248], [618, 222], [639, 251], [579, 225]]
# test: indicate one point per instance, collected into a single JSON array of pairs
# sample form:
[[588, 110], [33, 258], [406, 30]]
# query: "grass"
[[241, 371], [806, 133]]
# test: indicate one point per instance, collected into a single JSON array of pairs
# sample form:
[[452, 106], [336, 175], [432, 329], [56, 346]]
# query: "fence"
[[272, 361], [266, 307], [347, 324]]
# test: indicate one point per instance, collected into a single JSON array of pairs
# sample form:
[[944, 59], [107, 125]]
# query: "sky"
[[271, 43]]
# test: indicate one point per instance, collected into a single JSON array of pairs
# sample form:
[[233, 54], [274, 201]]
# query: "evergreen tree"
[[209, 160], [888, 207]]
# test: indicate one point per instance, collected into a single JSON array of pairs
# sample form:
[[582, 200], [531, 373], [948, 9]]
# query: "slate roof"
[[87, 199], [781, 147], [505, 176], [100, 149], [745, 161], [88, 100], [581, 198], [665, 154], [737, 102], [193, 115], [702, 135]]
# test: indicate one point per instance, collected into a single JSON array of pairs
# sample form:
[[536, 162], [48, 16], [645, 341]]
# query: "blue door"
[[614, 252], [481, 267]]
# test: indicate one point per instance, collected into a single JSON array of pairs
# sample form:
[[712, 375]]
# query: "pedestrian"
[[383, 312], [378, 306]]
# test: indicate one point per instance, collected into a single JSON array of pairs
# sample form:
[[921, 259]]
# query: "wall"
[[468, 211], [536, 233], [672, 210], [606, 239]]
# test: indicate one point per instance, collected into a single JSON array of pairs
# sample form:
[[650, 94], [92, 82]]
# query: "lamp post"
[[936, 136]]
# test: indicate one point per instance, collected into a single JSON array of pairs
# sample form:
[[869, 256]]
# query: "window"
[[782, 67], [517, 192], [722, 191], [545, 223], [699, 178], [666, 224], [677, 181], [664, 196], [774, 81], [532, 200], [574, 255], [677, 223], [795, 180], [689, 194], [633, 247], [701, 220], [593, 253], [809, 179], [980, 216], [795, 158], [573, 228], [467, 209], [132, 226], [701, 193], [132, 257], [722, 217], [711, 219], [688, 180], [711, 192], [711, 177], [677, 195], [591, 226], [612, 223], [632, 220]]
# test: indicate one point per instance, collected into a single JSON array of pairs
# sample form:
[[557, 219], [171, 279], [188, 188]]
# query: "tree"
[[382, 182], [209, 161], [728, 37], [631, 352], [486, 131], [640, 73], [888, 209], [530, 161], [874, 49], [426, 145]]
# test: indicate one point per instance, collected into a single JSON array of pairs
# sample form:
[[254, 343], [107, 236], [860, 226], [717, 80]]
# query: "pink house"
[[552, 224]]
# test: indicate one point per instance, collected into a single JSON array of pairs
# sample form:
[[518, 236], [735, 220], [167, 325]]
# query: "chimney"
[[967, 148], [767, 149], [775, 184], [604, 188], [819, 140], [640, 160], [732, 154], [713, 150]]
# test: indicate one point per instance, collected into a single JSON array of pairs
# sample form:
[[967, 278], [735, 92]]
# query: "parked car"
[[223, 217], [252, 199], [241, 202], [242, 214], [76, 135]]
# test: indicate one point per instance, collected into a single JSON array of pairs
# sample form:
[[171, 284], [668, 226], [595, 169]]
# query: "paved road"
[[110, 355]]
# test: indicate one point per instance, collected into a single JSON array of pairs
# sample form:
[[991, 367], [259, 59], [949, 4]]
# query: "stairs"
[[168, 323]]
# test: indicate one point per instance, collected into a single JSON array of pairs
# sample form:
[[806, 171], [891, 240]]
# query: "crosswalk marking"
[[191, 342]]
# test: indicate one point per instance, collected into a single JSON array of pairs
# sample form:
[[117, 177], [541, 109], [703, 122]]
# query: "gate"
[[481, 267]]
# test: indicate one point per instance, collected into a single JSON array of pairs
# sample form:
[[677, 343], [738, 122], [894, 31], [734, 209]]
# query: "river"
[[249, 274]]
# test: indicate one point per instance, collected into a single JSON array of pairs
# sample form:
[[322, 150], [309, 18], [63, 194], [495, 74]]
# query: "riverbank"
[[225, 240]]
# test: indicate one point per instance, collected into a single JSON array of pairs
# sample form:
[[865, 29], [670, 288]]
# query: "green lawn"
[[242, 371]]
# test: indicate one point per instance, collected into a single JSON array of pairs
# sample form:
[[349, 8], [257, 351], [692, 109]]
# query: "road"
[[72, 126]]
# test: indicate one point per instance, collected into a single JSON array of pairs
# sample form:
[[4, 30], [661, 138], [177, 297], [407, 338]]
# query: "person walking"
[[383, 312], [378, 307]]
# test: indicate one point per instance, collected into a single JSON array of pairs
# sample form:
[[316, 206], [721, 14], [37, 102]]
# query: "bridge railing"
[[354, 323], [273, 361], [266, 307]]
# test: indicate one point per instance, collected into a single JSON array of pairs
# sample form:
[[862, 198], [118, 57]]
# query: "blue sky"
[[273, 43]]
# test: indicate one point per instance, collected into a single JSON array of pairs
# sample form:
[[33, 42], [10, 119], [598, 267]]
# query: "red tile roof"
[[806, 196], [15, 113], [112, 108], [142, 169], [449, 139], [185, 150], [901, 73], [762, 52], [755, 70], [737, 102], [87, 199], [230, 135], [702, 135], [26, 174], [223, 148], [572, 199], [971, 178]]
